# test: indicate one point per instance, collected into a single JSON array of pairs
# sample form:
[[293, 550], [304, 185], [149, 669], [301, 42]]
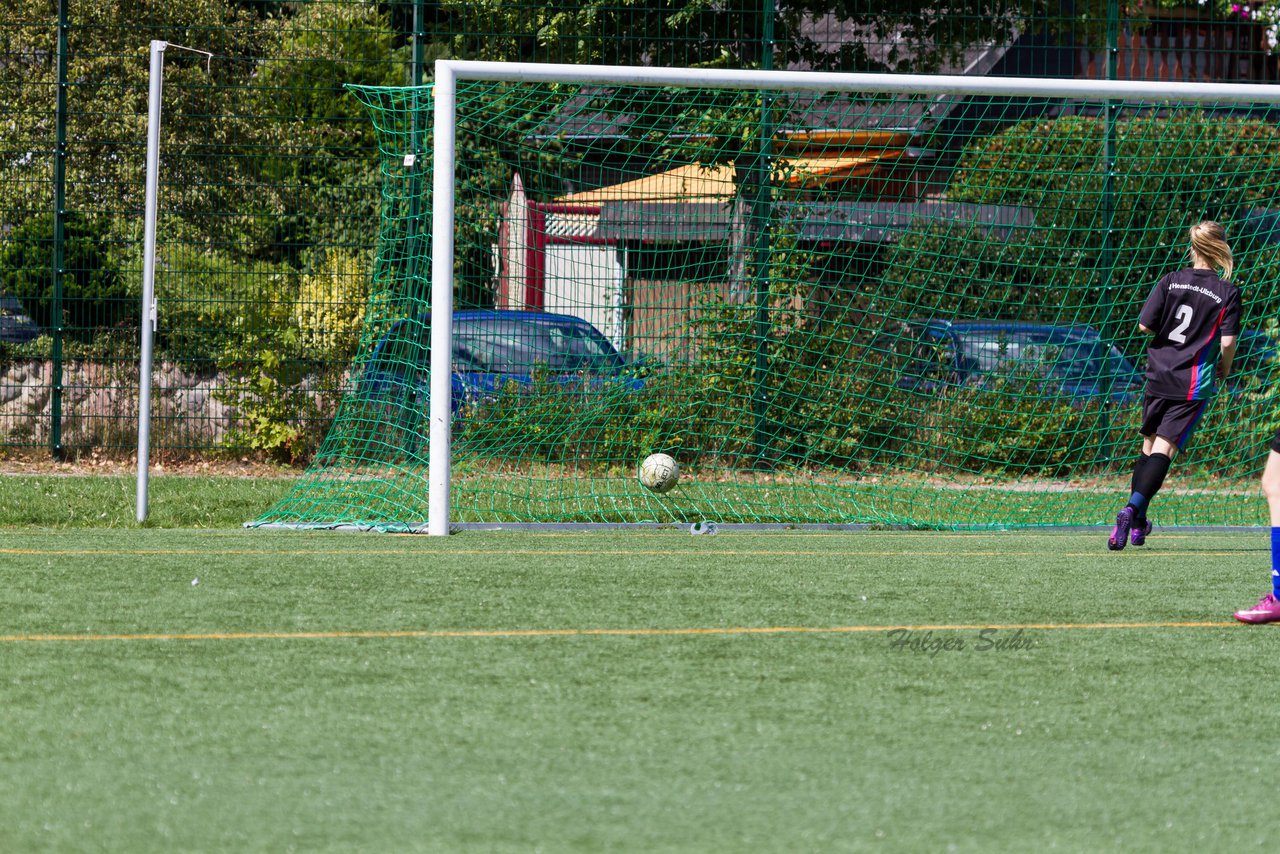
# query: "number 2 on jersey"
[[1184, 315]]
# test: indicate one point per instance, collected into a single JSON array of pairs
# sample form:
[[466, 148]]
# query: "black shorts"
[[1275, 442], [1174, 420]]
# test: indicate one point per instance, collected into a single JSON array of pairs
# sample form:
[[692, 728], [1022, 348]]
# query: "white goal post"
[[148, 319], [449, 72]]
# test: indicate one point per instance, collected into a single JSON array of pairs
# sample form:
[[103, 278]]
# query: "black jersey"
[[1189, 310]]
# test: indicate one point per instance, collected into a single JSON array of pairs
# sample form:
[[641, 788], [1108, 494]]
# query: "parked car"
[[1070, 360], [491, 349], [15, 326]]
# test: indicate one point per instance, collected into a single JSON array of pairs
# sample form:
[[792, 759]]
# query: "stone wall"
[[100, 405]]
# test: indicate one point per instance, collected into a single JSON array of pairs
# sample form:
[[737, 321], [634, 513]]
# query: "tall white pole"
[[442, 166], [148, 323]]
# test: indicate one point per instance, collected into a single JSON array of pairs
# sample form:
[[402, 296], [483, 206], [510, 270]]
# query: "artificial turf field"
[[632, 691]]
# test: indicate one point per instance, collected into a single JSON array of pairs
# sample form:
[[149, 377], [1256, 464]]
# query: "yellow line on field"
[[558, 633]]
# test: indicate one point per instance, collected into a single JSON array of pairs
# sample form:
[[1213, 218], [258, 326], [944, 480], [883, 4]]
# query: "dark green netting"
[[832, 308]]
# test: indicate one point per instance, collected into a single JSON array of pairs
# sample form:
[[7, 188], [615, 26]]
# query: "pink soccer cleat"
[[1266, 611]]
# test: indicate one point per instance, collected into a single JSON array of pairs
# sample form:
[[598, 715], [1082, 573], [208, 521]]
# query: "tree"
[[729, 127], [318, 139], [107, 114], [94, 294], [1171, 171], [252, 140], [867, 35]]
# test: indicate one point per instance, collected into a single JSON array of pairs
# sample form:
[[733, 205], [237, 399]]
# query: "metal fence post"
[[761, 219], [59, 232], [1107, 255]]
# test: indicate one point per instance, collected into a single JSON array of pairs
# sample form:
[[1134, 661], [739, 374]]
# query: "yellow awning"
[[687, 184], [699, 183]]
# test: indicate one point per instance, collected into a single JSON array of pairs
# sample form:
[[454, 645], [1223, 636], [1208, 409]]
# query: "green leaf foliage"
[[94, 292], [1089, 240]]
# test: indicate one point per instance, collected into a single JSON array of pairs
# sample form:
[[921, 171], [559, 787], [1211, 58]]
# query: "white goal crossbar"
[[448, 72]]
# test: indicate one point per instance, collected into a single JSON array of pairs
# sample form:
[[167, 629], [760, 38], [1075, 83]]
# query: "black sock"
[[1137, 468], [1148, 477]]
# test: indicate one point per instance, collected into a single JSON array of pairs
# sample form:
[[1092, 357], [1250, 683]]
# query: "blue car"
[[491, 350], [1073, 361]]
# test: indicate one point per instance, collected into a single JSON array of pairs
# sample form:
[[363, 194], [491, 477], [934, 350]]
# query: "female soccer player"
[[1268, 608], [1193, 316]]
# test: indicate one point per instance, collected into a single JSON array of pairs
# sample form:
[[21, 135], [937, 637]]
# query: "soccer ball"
[[659, 472]]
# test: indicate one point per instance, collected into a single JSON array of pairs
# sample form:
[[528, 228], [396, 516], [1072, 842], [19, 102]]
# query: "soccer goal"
[[830, 299]]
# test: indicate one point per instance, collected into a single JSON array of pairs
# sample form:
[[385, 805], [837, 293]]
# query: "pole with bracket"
[[150, 318]]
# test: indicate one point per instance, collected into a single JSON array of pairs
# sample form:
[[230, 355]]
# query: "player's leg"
[[1141, 527], [1148, 477], [1151, 409], [1268, 608], [1119, 537], [1167, 426], [1177, 423], [1148, 473], [1126, 518]]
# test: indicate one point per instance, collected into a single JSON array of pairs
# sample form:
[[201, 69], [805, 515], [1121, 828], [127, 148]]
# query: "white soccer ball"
[[659, 472]]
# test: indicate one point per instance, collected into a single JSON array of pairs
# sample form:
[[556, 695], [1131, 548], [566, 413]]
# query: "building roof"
[[807, 159], [816, 222], [698, 184]]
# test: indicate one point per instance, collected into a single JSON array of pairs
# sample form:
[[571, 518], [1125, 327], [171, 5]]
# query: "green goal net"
[[829, 307]]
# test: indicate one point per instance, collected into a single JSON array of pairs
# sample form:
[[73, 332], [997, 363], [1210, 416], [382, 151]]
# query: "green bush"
[[1012, 425], [592, 423], [204, 299], [828, 397], [95, 296], [1171, 171], [330, 309], [283, 403], [238, 318]]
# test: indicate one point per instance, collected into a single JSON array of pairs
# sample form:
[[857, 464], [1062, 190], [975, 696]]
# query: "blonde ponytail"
[[1209, 241]]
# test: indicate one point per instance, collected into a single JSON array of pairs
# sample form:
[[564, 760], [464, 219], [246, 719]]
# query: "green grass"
[[612, 691], [396, 497], [110, 501]]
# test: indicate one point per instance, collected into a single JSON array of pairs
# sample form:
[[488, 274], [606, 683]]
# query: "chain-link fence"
[[268, 200]]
